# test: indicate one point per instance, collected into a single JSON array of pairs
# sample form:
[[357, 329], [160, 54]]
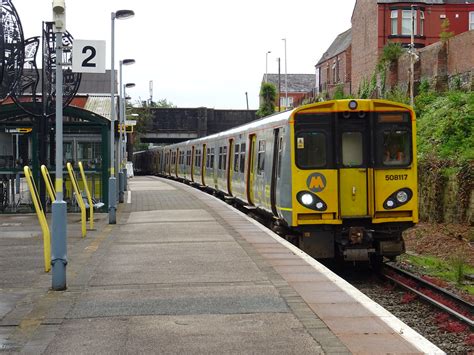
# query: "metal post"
[[412, 59], [124, 147], [120, 145], [286, 79], [247, 99], [59, 207], [266, 66], [279, 86], [112, 180]]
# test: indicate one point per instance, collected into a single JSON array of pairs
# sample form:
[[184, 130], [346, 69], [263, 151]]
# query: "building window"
[[406, 22], [471, 21], [334, 72], [422, 23], [290, 101], [394, 21]]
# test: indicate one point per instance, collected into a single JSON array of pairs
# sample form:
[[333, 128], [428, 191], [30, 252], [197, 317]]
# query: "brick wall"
[[439, 64], [364, 41]]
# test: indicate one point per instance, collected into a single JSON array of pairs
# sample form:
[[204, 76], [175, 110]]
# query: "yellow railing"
[[41, 217], [88, 194], [49, 183], [79, 200]]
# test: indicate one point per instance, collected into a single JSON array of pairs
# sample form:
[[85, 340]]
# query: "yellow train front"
[[354, 178]]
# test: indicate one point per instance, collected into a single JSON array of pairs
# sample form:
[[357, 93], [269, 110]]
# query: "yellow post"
[[49, 183], [41, 217], [88, 194], [79, 200]]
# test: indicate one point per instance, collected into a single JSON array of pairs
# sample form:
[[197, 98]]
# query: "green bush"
[[445, 124]]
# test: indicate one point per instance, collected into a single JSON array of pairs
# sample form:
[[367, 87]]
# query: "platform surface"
[[183, 272]]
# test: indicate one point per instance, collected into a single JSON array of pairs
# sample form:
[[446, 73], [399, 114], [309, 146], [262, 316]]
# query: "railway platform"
[[183, 272]]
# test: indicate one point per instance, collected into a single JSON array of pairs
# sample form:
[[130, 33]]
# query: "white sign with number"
[[88, 56]]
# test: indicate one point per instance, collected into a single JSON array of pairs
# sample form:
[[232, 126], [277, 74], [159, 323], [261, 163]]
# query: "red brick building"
[[375, 23], [334, 67]]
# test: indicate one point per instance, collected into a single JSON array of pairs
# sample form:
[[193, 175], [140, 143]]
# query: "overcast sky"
[[206, 52]]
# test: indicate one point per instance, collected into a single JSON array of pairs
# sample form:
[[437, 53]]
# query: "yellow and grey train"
[[338, 177]]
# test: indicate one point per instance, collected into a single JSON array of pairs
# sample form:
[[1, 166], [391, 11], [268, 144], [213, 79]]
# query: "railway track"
[[442, 299]]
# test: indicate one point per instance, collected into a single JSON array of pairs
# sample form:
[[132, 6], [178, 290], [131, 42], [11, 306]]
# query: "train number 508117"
[[396, 177]]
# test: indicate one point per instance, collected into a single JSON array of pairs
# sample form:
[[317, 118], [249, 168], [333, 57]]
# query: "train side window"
[[223, 157], [242, 158], [396, 147], [208, 154], [261, 157], [280, 154], [236, 158], [352, 149], [211, 156], [311, 149], [219, 165], [197, 161]]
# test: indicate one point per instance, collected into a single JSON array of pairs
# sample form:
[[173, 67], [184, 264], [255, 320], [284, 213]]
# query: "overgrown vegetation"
[[445, 34], [452, 271], [445, 125], [267, 100]]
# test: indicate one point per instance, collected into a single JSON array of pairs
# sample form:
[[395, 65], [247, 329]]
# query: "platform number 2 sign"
[[88, 56]]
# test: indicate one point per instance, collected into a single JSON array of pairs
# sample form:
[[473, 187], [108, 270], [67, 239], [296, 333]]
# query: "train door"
[[230, 167], [276, 164], [251, 172], [353, 150]]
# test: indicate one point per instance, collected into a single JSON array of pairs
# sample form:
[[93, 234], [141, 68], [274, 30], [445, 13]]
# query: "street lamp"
[[124, 109], [59, 207], [266, 66], [286, 78], [121, 167], [120, 15]]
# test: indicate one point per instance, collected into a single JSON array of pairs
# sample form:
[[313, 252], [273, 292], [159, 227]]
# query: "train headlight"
[[398, 198], [402, 196], [311, 200], [307, 199]]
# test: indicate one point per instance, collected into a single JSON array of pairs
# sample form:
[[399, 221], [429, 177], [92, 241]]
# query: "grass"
[[452, 271]]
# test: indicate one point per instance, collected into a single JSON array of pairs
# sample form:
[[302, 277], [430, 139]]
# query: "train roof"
[[338, 105]]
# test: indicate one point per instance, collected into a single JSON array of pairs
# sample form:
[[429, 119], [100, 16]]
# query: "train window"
[[242, 158], [261, 157], [280, 154], [208, 153], [396, 147], [311, 149], [188, 158], [352, 149], [236, 158], [197, 161], [211, 156], [224, 158]]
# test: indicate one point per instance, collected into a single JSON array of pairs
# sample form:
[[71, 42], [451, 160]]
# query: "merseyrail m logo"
[[316, 182]]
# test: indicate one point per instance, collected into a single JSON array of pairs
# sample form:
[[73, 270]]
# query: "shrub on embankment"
[[446, 156]]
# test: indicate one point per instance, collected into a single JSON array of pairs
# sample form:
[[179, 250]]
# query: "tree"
[[267, 100]]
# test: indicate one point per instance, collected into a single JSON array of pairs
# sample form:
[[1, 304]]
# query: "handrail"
[[79, 200], [41, 217], [49, 183], [89, 197]]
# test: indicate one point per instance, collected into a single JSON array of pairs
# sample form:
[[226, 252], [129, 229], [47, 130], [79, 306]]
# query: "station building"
[[86, 139]]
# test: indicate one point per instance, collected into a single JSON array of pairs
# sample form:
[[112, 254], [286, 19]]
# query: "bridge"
[[172, 125]]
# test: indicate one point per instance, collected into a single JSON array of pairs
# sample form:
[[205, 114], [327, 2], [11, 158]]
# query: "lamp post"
[[120, 14], [266, 66], [122, 168], [124, 146], [59, 207], [286, 78]]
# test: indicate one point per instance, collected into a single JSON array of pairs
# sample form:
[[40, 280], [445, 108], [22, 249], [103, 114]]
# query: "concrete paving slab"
[[169, 216], [176, 263], [193, 334], [179, 300], [173, 232]]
